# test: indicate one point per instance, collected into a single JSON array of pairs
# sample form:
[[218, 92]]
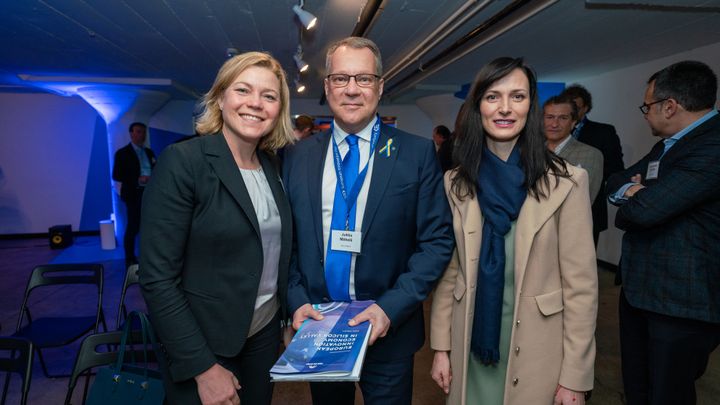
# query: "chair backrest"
[[101, 349], [19, 361], [64, 274], [131, 277]]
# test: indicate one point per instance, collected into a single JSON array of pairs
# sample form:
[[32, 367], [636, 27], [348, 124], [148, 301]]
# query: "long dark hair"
[[537, 161]]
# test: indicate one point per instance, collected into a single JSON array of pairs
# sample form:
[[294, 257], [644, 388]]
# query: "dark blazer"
[[444, 154], [670, 260], [126, 170], [603, 137], [407, 237], [202, 254]]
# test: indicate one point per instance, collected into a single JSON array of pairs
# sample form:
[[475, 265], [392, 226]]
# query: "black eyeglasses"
[[362, 79], [645, 108]]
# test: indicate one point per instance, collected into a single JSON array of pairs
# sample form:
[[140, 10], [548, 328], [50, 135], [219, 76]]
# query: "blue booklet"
[[326, 350]]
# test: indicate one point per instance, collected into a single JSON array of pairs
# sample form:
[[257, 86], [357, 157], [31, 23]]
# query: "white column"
[[442, 109], [120, 106]]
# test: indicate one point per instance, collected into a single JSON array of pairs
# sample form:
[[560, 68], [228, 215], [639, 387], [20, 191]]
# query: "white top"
[[268, 216], [329, 181]]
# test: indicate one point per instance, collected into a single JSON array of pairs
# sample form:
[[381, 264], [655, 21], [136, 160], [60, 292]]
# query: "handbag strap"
[[146, 333]]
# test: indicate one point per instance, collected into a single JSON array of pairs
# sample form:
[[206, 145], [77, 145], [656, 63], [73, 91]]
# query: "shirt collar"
[[694, 125], [365, 133], [562, 144]]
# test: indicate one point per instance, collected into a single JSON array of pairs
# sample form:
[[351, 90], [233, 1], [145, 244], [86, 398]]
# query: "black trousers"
[[132, 227], [381, 382], [662, 356], [251, 367]]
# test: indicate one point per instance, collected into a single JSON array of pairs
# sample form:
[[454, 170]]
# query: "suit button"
[[325, 299], [517, 323], [516, 381], [517, 350]]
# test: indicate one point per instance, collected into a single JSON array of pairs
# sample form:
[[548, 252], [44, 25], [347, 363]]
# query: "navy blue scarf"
[[501, 193]]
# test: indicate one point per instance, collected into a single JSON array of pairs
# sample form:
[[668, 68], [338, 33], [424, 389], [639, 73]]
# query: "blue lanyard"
[[351, 199]]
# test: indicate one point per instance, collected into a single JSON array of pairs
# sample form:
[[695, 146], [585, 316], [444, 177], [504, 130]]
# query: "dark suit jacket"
[[202, 254], [603, 137], [670, 259], [126, 170], [406, 233]]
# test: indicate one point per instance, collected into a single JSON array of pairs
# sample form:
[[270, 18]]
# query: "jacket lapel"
[[315, 167], [383, 165], [472, 224], [220, 158], [533, 215]]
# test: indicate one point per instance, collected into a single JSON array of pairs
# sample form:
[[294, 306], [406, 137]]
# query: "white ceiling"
[[185, 41]]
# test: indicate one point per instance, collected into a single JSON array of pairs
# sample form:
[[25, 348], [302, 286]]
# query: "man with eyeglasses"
[[560, 116], [669, 208], [372, 223]]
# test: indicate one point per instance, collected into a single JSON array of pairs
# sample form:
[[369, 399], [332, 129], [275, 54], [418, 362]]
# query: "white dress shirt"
[[329, 181]]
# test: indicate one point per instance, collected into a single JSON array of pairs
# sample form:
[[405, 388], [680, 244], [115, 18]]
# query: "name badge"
[[346, 241], [652, 170]]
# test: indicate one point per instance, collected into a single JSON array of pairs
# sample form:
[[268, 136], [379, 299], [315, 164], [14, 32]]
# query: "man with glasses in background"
[[669, 208], [383, 187]]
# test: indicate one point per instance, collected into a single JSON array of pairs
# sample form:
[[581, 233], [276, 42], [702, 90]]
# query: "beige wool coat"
[[556, 294]]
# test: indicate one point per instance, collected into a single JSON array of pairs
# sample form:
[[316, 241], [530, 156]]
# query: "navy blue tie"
[[337, 265]]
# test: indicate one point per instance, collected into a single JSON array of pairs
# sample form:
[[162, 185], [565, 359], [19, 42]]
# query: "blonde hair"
[[210, 120]]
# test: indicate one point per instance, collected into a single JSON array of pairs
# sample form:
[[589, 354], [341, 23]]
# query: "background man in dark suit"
[[131, 168], [401, 224], [604, 138], [443, 146], [670, 211]]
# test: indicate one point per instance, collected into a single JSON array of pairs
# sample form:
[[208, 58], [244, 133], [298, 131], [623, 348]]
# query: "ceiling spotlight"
[[306, 18], [301, 64], [299, 87]]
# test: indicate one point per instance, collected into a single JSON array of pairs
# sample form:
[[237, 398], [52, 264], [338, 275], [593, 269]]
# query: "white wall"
[[616, 96], [44, 154], [175, 116]]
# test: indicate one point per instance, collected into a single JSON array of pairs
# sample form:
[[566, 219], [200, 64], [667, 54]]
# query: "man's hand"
[[143, 179], [441, 371], [380, 322], [218, 386], [565, 396], [637, 179], [304, 312]]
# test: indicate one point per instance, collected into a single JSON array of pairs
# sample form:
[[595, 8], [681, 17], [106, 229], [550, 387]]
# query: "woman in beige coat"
[[513, 317]]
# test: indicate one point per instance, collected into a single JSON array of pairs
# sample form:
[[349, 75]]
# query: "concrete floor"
[[18, 257]]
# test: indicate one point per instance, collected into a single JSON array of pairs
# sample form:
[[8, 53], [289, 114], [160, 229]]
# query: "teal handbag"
[[125, 384]]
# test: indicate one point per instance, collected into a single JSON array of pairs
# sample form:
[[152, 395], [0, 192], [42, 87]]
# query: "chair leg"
[[5, 387], [45, 369], [87, 385], [42, 363], [68, 396], [25, 390]]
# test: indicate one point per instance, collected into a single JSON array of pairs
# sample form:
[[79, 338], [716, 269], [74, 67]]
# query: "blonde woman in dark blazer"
[[513, 317], [217, 234]]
